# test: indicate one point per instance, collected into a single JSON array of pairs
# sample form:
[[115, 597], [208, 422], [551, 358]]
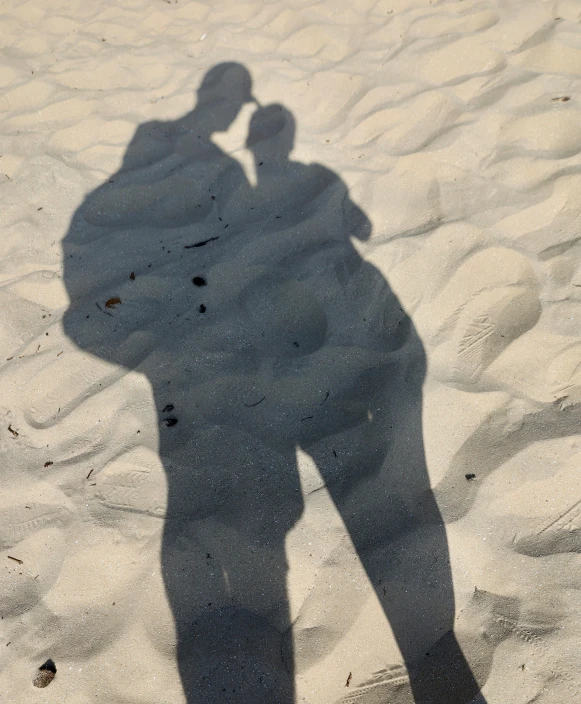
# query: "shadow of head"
[[224, 90], [271, 133], [222, 93]]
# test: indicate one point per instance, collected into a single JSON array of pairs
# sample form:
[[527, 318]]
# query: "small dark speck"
[[296, 344], [199, 281], [202, 308], [39, 208], [261, 163], [470, 477], [168, 408], [169, 422]]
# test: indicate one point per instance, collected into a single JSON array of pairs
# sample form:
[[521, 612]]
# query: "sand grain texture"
[[246, 490]]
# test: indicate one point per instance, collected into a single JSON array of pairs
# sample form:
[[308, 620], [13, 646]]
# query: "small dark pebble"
[[132, 276], [48, 464], [202, 308], [199, 281], [169, 408], [170, 421], [470, 477]]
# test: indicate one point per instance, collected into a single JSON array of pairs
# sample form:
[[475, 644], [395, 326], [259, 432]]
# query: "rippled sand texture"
[[456, 127]]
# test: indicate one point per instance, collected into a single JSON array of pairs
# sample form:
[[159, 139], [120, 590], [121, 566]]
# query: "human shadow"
[[263, 331]]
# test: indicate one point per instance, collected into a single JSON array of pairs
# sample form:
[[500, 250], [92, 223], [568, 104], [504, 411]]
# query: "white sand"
[[280, 542]]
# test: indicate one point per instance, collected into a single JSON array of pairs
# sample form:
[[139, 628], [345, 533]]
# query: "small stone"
[[46, 674]]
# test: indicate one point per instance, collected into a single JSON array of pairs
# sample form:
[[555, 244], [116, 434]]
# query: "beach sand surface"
[[290, 355]]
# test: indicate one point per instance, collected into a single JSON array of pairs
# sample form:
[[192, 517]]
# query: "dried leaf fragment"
[[112, 302]]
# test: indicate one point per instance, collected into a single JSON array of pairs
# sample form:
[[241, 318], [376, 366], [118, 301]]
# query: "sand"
[[289, 377]]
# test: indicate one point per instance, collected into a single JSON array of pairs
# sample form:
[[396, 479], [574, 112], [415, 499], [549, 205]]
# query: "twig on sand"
[[103, 311], [200, 244], [252, 405]]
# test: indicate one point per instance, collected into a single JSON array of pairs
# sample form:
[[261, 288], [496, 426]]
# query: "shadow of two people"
[[262, 331]]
